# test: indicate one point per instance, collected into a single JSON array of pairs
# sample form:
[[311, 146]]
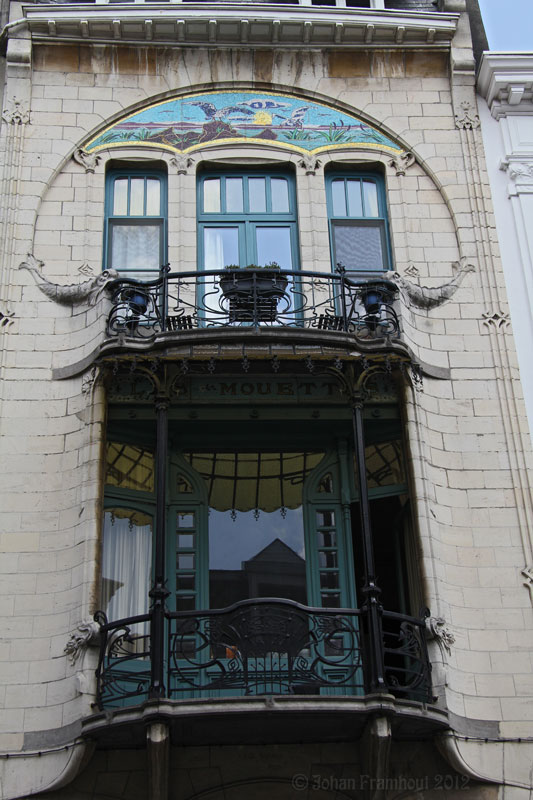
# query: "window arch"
[[358, 221]]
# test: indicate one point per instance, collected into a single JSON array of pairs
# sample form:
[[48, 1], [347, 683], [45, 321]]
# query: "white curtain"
[[126, 564]]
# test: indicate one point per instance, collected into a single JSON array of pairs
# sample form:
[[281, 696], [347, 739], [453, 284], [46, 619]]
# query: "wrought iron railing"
[[229, 298], [262, 647]]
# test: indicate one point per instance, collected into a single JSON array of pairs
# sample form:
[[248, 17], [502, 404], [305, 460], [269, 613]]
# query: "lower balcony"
[[291, 672]]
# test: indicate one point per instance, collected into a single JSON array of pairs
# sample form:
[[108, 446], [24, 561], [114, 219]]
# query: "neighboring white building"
[[505, 83], [231, 489]]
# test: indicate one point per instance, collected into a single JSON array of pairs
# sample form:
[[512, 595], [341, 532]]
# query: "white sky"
[[508, 23]]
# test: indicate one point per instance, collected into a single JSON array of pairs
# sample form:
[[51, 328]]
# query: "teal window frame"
[[247, 222], [114, 220], [359, 220]]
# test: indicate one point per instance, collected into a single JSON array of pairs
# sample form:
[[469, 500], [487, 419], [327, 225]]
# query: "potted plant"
[[253, 292]]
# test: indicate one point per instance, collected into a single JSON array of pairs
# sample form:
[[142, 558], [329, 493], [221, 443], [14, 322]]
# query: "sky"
[[508, 23]]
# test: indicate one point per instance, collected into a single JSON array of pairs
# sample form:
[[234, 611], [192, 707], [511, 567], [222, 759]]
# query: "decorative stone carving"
[[6, 317], [402, 163], [528, 583], [437, 629], [182, 163], [431, 297], [521, 172], [87, 633], [16, 113], [86, 269], [309, 163], [89, 161], [412, 271], [467, 119], [498, 319], [72, 293], [89, 380]]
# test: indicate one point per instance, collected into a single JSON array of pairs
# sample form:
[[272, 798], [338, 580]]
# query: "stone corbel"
[[375, 751], [182, 163], [438, 630], [89, 161], [88, 291], [430, 297], [309, 163], [86, 634], [402, 163]]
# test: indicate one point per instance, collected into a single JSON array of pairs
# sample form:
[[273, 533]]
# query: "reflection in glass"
[[327, 539], [358, 246], [129, 467], [355, 204], [212, 195], [370, 192], [325, 519], [185, 540], [234, 197], [137, 197], [274, 244], [185, 561], [153, 197], [120, 197], [185, 519], [257, 195], [339, 198], [279, 189], [221, 247]]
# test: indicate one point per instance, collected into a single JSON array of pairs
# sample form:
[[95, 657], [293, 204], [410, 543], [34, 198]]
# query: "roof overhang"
[[242, 24], [505, 80]]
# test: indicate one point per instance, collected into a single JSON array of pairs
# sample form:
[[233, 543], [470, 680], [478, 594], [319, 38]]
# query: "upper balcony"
[[234, 304]]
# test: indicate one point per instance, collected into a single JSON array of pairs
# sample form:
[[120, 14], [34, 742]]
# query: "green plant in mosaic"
[[336, 134]]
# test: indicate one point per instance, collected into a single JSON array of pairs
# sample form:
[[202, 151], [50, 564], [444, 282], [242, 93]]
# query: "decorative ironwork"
[[263, 647], [186, 301]]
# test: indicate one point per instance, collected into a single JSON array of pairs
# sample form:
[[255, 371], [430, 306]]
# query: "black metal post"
[[165, 269], [372, 605], [159, 593]]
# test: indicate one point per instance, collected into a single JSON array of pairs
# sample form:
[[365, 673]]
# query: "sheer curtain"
[[126, 564]]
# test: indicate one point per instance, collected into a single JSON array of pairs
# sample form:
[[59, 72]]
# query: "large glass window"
[[135, 235], [247, 218], [358, 224]]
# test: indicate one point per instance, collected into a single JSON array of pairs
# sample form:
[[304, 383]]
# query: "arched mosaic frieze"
[[188, 123]]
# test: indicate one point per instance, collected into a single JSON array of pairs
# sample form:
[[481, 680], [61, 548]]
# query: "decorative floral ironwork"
[[186, 301], [262, 647]]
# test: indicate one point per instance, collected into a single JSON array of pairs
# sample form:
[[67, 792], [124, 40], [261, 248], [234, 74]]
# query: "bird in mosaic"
[[213, 113]]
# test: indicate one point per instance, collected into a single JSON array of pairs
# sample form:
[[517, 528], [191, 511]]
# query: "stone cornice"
[[231, 24], [505, 80]]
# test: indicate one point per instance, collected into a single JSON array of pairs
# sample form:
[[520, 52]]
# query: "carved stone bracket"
[[89, 161], [402, 162], [309, 163], [86, 634], [89, 380], [496, 319], [431, 297], [437, 629], [88, 291], [182, 163], [520, 172], [467, 119], [16, 113]]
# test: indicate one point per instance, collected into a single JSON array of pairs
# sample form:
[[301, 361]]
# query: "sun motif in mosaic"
[[188, 123]]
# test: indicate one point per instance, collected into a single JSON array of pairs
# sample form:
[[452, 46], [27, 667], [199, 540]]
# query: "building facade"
[[266, 501]]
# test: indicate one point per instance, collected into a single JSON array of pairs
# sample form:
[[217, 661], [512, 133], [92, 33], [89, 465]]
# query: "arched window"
[[136, 222], [358, 221], [247, 218]]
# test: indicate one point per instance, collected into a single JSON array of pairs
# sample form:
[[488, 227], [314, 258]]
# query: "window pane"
[[257, 195], [279, 189], [274, 244], [137, 197], [370, 191], [153, 197], [338, 197], [212, 195], [129, 467], [120, 197], [358, 247], [135, 247], [234, 200], [126, 560], [221, 247], [355, 206], [185, 519]]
